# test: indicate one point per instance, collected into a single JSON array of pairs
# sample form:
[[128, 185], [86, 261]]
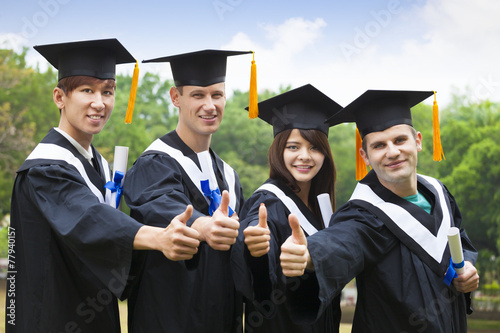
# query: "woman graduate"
[[301, 167]]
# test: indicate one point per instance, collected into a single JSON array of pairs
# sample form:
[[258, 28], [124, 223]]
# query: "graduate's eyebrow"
[[197, 91], [375, 143], [292, 143], [402, 137], [399, 137], [109, 86]]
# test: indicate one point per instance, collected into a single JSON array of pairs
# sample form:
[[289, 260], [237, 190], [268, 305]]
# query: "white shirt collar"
[[86, 153]]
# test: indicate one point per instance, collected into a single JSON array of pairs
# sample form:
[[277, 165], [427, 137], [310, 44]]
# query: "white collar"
[[86, 153]]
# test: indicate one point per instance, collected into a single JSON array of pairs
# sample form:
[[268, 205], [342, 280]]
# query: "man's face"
[[200, 108], [85, 110], [392, 154]]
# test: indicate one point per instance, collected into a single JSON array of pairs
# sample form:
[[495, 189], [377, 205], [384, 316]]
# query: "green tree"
[[342, 140], [24, 96], [153, 105], [243, 143], [472, 173]]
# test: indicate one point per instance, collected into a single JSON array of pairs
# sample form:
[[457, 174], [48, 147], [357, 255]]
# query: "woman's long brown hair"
[[323, 182]]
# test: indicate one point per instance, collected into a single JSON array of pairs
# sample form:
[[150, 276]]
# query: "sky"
[[341, 47]]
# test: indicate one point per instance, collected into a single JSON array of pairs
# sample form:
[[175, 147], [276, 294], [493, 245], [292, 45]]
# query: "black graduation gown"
[[261, 280], [72, 252], [399, 289], [196, 295]]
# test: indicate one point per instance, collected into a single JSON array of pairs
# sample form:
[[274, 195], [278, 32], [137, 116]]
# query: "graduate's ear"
[[57, 96], [418, 139], [364, 156], [174, 96]]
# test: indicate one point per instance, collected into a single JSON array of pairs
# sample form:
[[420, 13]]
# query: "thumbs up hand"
[[178, 241], [297, 233], [220, 230], [294, 254], [257, 237]]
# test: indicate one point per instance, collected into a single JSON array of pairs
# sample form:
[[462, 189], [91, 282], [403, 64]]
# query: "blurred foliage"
[[471, 170]]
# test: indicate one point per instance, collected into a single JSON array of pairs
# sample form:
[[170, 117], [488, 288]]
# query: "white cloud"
[[278, 64], [13, 41], [458, 46], [460, 50], [295, 34], [457, 52]]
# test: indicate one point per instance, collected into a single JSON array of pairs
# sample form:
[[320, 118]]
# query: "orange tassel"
[[253, 109], [133, 93], [438, 153], [361, 169]]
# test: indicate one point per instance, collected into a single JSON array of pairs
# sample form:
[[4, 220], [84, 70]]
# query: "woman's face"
[[302, 159]]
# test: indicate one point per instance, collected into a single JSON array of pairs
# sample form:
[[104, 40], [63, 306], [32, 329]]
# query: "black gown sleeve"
[[355, 240], [100, 236]]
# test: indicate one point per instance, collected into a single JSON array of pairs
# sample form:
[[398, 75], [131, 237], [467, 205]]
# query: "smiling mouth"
[[208, 117], [95, 117], [303, 167], [395, 164]]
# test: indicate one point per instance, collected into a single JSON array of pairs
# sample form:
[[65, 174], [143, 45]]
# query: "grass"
[[482, 325], [344, 328]]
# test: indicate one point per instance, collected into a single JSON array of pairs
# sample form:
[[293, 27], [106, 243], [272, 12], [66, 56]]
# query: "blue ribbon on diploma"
[[451, 273], [116, 186], [459, 265], [214, 197]]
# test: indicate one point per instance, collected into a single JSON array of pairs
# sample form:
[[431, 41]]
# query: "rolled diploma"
[[455, 244], [119, 164], [325, 207]]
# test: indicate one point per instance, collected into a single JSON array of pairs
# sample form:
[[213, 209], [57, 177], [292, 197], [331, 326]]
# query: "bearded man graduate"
[[72, 250], [391, 235], [178, 169]]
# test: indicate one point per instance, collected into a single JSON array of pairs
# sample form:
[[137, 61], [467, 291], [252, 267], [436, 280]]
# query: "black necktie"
[[96, 165]]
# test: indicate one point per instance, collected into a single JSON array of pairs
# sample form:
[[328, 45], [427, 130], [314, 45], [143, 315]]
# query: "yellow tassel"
[[361, 169], [253, 109], [438, 153], [133, 93]]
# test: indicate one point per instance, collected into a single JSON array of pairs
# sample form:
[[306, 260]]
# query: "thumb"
[[224, 203], [186, 215], [263, 216], [297, 233]]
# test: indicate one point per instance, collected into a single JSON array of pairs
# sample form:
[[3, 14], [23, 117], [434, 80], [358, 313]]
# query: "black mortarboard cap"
[[304, 108], [200, 68], [377, 110], [96, 58]]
